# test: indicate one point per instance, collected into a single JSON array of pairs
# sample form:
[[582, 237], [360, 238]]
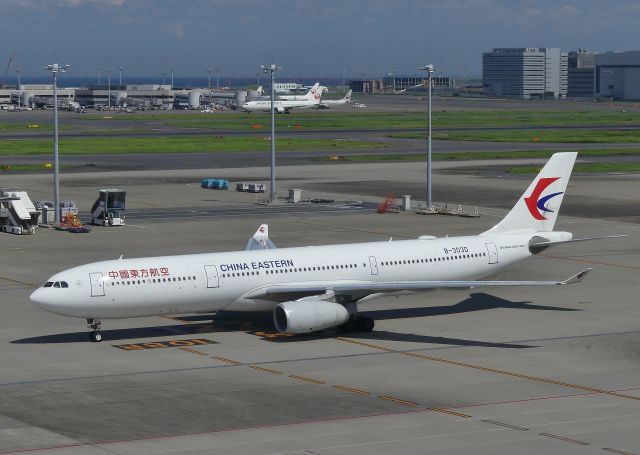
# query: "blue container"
[[215, 184]]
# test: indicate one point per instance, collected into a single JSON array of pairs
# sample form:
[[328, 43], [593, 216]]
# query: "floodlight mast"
[[217, 70], [272, 69], [19, 91], [55, 69], [429, 69], [109, 88]]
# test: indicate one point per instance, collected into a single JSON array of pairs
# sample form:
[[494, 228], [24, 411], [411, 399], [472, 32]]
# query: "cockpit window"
[[48, 284], [64, 284], [56, 284]]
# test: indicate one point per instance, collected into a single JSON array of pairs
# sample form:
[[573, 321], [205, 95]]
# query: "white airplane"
[[307, 96], [314, 288], [283, 107], [326, 104]]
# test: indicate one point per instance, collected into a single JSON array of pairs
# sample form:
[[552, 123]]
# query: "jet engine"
[[307, 316]]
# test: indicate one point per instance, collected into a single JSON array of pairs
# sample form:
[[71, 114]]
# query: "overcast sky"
[[305, 37]]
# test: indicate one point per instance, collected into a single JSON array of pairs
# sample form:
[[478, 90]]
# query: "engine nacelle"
[[308, 316]]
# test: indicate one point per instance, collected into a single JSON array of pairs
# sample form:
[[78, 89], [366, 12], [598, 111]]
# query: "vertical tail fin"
[[347, 97], [537, 209], [312, 93], [260, 240]]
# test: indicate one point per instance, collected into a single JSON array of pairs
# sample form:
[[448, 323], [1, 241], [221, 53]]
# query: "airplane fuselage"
[[210, 282]]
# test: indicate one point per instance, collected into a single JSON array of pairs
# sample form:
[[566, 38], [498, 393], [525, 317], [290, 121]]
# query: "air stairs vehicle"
[[18, 215], [109, 208]]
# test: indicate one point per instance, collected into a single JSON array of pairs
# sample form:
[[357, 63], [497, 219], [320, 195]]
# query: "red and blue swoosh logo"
[[536, 203]]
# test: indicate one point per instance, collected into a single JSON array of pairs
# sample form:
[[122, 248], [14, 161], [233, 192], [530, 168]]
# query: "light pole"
[[429, 69], [172, 78], [109, 88], [164, 78], [258, 74], [210, 71], [119, 75], [55, 69], [272, 69], [19, 91], [344, 80], [217, 69], [99, 75], [393, 79]]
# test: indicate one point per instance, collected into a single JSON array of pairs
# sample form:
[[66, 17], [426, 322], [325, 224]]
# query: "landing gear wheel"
[[347, 327], [361, 324], [365, 324], [94, 325]]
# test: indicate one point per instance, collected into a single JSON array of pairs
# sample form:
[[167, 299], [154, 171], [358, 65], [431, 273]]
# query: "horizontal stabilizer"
[[537, 246]]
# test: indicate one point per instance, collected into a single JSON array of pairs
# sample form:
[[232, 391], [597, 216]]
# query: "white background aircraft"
[[314, 288], [285, 106], [307, 96], [326, 104]]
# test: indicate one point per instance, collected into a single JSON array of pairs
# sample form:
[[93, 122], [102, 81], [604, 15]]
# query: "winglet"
[[577, 278], [260, 240]]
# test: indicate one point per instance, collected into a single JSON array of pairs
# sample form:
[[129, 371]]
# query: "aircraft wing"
[[360, 289]]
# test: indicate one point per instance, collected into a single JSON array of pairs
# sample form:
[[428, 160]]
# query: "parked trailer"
[[256, 188]]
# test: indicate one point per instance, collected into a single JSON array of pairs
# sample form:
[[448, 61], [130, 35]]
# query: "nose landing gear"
[[95, 326]]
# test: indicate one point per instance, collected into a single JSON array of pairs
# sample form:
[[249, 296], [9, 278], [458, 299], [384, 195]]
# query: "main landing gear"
[[95, 326], [357, 324]]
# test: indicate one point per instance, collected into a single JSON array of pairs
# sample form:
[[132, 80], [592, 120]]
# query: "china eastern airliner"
[[315, 287]]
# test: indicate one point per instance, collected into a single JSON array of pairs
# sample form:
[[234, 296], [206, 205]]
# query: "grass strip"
[[174, 144], [357, 119], [470, 156], [557, 136], [8, 168]]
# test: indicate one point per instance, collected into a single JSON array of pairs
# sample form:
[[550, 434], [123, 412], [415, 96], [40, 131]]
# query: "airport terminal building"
[[525, 73]]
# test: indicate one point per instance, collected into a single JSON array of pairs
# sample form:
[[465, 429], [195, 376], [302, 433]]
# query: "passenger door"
[[493, 253], [213, 280], [97, 284]]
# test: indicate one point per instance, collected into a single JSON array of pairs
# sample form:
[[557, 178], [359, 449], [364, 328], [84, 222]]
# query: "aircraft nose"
[[38, 297], [41, 299]]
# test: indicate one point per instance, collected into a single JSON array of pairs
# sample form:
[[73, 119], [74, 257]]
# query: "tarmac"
[[509, 370]]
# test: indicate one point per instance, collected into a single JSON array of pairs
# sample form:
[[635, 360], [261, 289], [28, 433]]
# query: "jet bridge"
[[18, 215], [109, 208]]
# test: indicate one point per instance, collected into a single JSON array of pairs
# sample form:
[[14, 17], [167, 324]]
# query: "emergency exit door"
[[373, 263]]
